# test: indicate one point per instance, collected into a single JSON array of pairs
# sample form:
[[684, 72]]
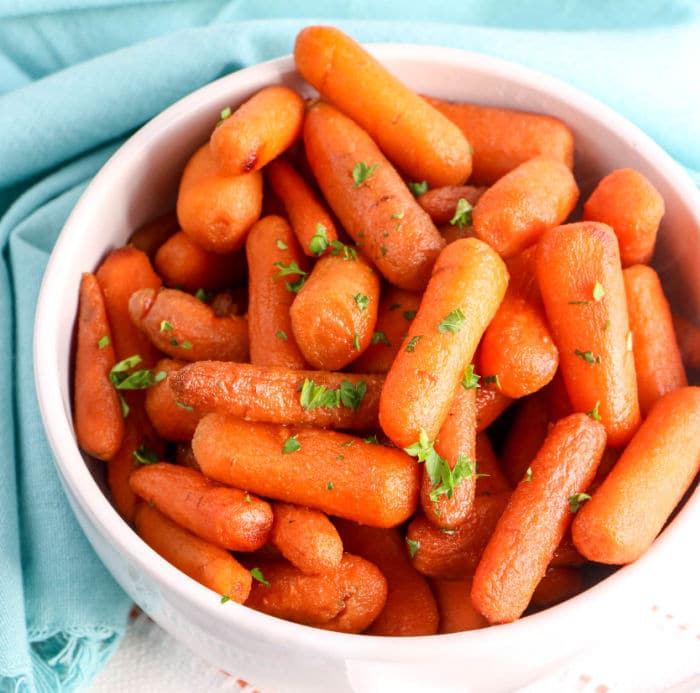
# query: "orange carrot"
[[207, 564], [306, 538], [272, 249], [504, 138], [214, 209], [280, 395], [579, 273], [441, 203], [629, 509], [558, 584], [186, 328], [657, 358], [457, 613], [370, 198], [566, 555], [441, 341], [516, 210], [410, 607], [490, 404], [153, 234], [490, 477], [334, 314], [536, 518], [231, 302], [345, 74], [333, 472], [631, 205], [688, 338], [97, 415]]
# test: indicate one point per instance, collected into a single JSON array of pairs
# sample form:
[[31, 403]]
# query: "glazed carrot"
[[457, 613], [121, 273], [346, 599], [209, 565], [504, 138], [186, 328], [536, 518], [516, 210], [490, 404], [153, 234], [631, 205], [230, 302], [688, 338], [490, 480], [334, 314], [306, 538], [453, 232], [579, 273], [397, 309], [410, 607], [454, 554], [97, 414], [441, 203], [279, 395], [214, 209], [172, 421], [226, 517], [259, 130], [349, 77], [184, 264], [307, 213], [441, 341], [626, 513], [558, 584], [657, 358], [370, 199], [333, 472], [271, 249]]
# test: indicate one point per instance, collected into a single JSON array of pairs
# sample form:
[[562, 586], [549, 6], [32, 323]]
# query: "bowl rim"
[[82, 488]]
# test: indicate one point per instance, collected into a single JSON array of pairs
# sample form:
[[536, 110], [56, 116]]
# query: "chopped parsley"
[[143, 455], [492, 380], [314, 396], [528, 474], [136, 380], [224, 114], [338, 248], [361, 300], [291, 269], [576, 500], [411, 346], [225, 598], [409, 314], [104, 341], [291, 444], [594, 413], [203, 296], [453, 322], [257, 574], [361, 172], [398, 215], [470, 379], [319, 241], [281, 244], [282, 335], [184, 406], [418, 189], [329, 486], [598, 291], [588, 356], [372, 440], [413, 546], [463, 214], [356, 342], [380, 337]]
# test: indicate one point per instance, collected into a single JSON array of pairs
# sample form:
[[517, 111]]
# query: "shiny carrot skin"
[[186, 328], [490, 477], [657, 358], [516, 210], [334, 314], [579, 274], [490, 404], [270, 245], [688, 338], [225, 517], [306, 211], [442, 340], [441, 203], [536, 518], [631, 205], [349, 77], [457, 613], [410, 607], [209, 565], [333, 472], [646, 483], [377, 210], [259, 393], [97, 414], [259, 130], [154, 233]]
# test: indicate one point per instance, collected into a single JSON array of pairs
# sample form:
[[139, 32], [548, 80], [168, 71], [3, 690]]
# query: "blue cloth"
[[76, 77]]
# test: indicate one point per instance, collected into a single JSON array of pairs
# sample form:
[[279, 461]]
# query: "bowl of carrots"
[[370, 368]]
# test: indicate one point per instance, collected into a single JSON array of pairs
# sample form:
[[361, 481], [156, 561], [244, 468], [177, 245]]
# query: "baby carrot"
[[631, 205], [311, 221], [154, 233], [272, 250], [334, 314], [490, 404], [333, 472], [410, 607], [226, 517], [559, 583], [536, 518], [457, 613], [516, 210], [441, 341], [646, 483], [259, 130], [97, 414], [441, 203], [657, 358], [306, 538], [349, 77], [490, 477], [688, 338], [370, 199], [209, 565], [214, 209], [280, 395], [186, 328], [504, 138], [579, 273]]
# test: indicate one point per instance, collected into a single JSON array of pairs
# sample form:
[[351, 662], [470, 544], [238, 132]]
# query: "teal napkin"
[[77, 77]]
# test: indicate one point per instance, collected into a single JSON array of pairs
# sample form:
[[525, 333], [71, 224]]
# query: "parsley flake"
[[313, 396], [598, 291], [142, 455], [136, 380], [588, 356], [246, 498], [413, 546], [282, 335], [203, 296], [224, 114], [291, 444], [453, 322], [409, 314], [291, 269], [225, 598], [329, 486], [418, 189], [361, 300], [371, 440], [492, 380], [361, 172], [398, 215], [351, 395], [380, 337], [186, 344], [356, 342], [594, 413], [463, 214], [257, 574], [104, 341], [577, 500], [319, 241], [184, 406], [470, 379], [281, 244], [337, 247], [411, 346], [528, 474]]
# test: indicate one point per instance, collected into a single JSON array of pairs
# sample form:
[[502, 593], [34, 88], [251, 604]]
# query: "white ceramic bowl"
[[138, 183]]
